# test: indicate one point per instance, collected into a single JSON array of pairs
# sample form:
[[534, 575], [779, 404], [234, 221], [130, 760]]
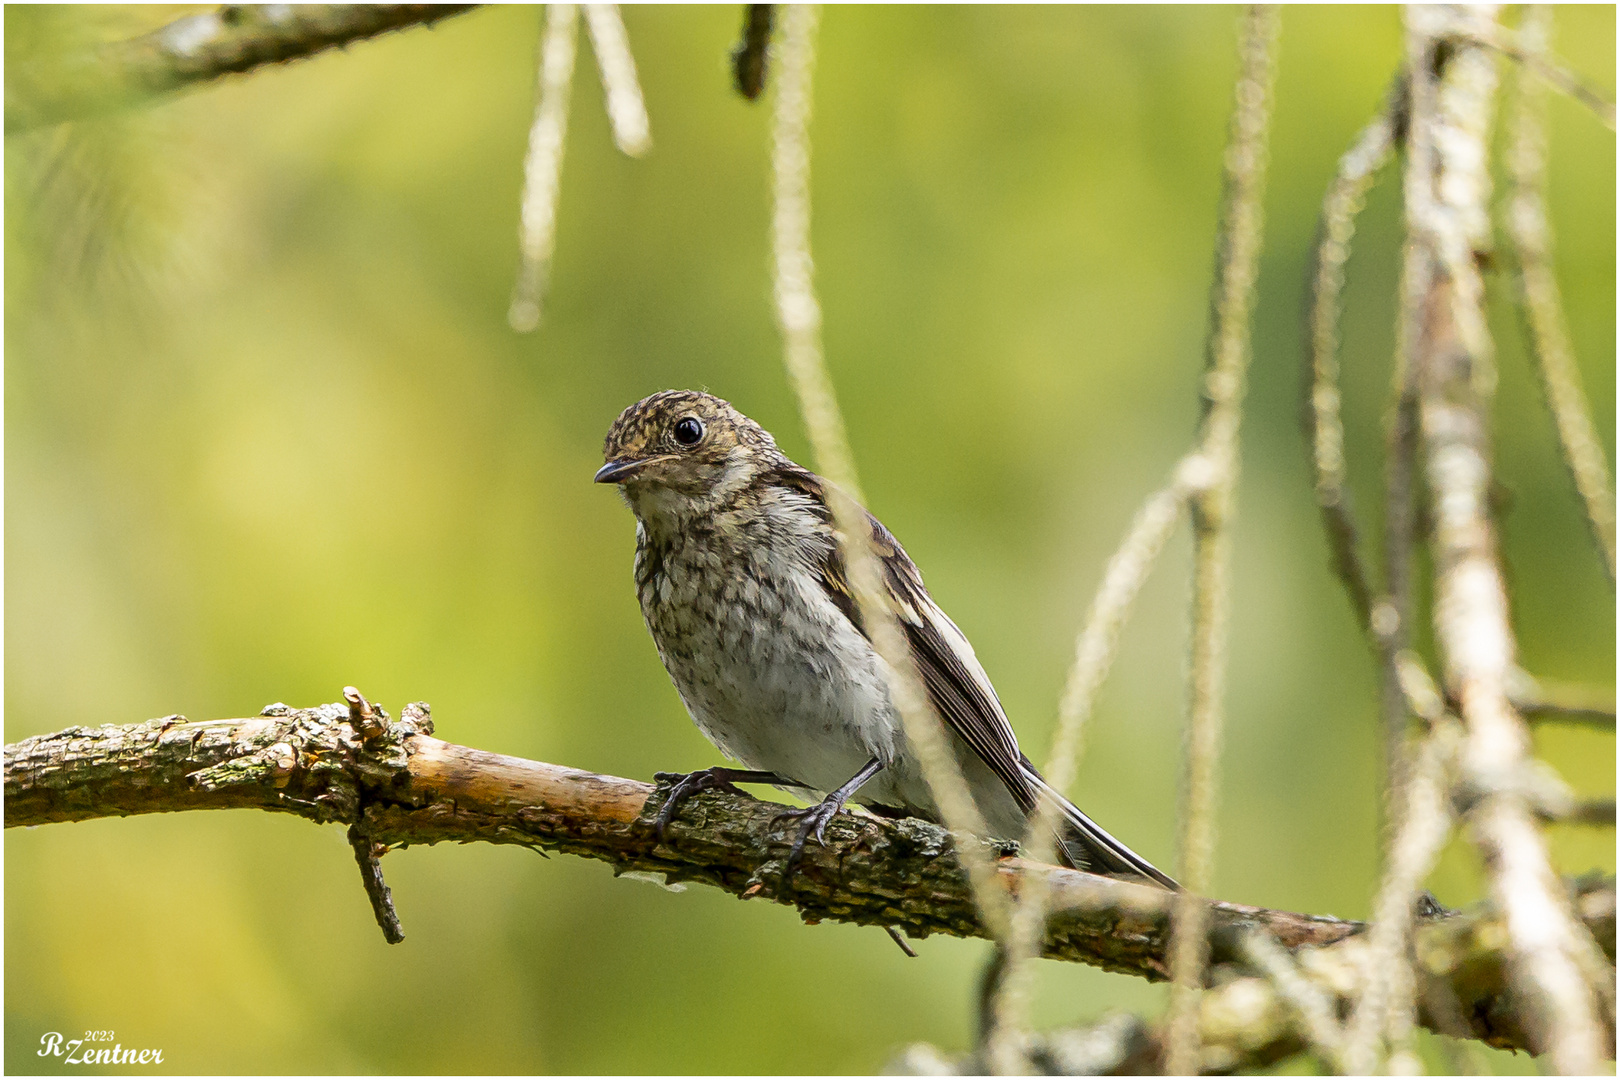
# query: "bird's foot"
[[688, 784], [816, 818], [815, 821]]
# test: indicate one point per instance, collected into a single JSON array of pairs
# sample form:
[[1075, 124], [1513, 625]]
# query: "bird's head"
[[682, 453]]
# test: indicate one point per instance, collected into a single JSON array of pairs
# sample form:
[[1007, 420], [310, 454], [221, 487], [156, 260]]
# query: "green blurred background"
[[267, 433]]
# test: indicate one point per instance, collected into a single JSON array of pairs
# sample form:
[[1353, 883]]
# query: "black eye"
[[688, 430]]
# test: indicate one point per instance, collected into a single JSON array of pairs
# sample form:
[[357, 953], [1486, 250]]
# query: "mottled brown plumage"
[[742, 585]]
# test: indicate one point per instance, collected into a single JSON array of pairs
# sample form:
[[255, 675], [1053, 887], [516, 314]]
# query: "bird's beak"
[[617, 472]]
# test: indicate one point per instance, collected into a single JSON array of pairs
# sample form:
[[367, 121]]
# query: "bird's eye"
[[688, 430]]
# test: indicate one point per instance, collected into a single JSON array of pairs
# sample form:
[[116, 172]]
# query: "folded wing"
[[959, 689]]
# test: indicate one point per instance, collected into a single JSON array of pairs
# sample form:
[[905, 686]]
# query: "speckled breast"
[[770, 670]]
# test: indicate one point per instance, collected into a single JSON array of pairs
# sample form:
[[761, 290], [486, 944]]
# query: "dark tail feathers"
[[1085, 845]]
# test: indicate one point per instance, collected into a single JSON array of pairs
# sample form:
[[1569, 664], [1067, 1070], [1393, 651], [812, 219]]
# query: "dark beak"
[[617, 472]]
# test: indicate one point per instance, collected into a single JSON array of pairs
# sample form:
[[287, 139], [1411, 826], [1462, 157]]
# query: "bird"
[[743, 587]]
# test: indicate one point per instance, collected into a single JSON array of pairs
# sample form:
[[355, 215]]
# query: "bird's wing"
[[957, 685]]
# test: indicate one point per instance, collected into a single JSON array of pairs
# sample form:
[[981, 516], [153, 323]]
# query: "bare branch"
[[1390, 620], [1384, 617], [1226, 366], [542, 166], [1535, 56], [750, 57], [197, 49], [1447, 188], [626, 110], [1546, 701], [1248, 1023], [1094, 653], [1324, 429], [1543, 309]]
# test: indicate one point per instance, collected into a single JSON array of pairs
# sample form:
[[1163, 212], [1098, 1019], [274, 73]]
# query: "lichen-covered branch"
[[401, 786], [196, 49], [404, 787], [1447, 197], [1247, 1023]]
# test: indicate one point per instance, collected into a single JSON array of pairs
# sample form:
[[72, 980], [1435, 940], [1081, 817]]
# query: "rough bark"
[[401, 787]]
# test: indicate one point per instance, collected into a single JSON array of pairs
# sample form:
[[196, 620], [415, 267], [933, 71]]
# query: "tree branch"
[[1246, 1021], [1227, 355], [402, 787], [1324, 427], [1540, 302], [1447, 191], [196, 49], [1544, 701]]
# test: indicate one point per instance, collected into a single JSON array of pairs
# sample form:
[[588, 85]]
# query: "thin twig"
[[1324, 428], [1535, 55], [1543, 309], [900, 939], [367, 856], [1313, 1007], [1422, 829], [1094, 654], [191, 51], [1447, 191], [1383, 618], [1598, 812], [1226, 365], [1390, 620], [1549, 701], [1546, 712], [542, 167], [621, 91], [800, 316], [750, 57]]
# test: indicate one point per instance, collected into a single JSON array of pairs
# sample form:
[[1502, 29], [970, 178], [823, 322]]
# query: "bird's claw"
[[816, 819], [684, 788]]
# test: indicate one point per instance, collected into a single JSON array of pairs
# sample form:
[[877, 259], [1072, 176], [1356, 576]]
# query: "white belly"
[[778, 678]]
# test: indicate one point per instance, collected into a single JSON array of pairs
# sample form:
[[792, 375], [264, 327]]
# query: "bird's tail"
[[1085, 845]]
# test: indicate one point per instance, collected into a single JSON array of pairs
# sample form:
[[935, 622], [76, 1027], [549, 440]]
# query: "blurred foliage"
[[267, 433]]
